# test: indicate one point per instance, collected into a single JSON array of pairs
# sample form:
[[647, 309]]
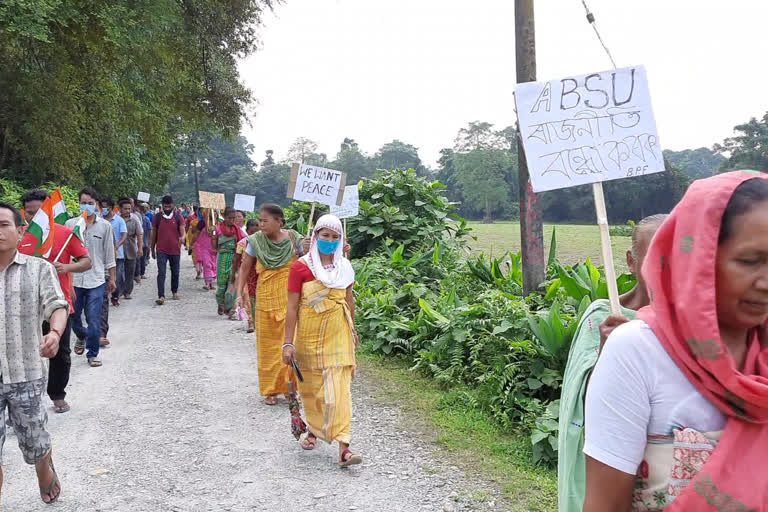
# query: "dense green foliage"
[[11, 192], [748, 149], [103, 93], [696, 163], [465, 321]]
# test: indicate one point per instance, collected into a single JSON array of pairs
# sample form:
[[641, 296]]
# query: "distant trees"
[[696, 163], [480, 172], [748, 149], [105, 93]]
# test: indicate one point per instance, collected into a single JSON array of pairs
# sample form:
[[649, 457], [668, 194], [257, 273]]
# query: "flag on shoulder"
[[60, 215], [41, 227]]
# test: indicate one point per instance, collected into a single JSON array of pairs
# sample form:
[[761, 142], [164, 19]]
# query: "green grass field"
[[575, 242]]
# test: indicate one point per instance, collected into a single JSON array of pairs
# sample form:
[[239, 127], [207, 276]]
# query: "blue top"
[[146, 223], [119, 228], [150, 216]]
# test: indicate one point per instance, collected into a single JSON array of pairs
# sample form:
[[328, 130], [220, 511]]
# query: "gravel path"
[[173, 422]]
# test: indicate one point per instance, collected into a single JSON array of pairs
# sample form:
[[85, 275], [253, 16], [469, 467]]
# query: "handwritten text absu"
[[589, 128]]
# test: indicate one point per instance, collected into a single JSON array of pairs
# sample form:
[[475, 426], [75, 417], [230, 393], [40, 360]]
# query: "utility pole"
[[196, 166], [531, 230]]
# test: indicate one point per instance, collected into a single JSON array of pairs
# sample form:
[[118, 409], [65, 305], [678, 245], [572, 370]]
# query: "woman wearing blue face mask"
[[321, 303]]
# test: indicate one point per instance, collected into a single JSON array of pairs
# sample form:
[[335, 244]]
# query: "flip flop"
[[353, 459], [54, 484], [270, 400], [94, 363], [79, 347], [309, 443], [60, 409]]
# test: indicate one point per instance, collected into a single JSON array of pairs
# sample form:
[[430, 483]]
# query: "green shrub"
[[11, 192], [398, 207], [625, 230]]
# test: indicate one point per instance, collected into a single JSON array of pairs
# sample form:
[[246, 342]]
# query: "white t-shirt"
[[637, 390]]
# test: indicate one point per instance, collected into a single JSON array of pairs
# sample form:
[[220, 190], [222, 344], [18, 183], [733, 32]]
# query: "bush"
[[625, 230], [11, 192], [466, 322], [399, 207]]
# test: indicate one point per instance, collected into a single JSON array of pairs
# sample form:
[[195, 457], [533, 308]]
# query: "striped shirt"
[[29, 294]]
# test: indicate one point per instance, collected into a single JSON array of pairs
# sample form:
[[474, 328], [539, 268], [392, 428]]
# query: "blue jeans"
[[88, 300], [174, 260], [120, 278]]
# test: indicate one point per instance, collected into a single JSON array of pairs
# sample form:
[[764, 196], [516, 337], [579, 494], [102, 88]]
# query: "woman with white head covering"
[[320, 319]]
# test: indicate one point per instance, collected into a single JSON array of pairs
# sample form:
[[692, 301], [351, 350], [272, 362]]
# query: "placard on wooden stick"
[[350, 205], [310, 183], [213, 200], [245, 203], [589, 129]]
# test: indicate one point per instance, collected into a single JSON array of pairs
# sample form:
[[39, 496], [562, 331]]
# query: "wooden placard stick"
[[605, 242], [309, 220]]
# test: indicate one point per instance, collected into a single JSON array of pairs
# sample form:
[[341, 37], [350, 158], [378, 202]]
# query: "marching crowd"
[[294, 291], [664, 407]]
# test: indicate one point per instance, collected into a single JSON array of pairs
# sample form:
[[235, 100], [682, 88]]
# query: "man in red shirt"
[[165, 242], [58, 372]]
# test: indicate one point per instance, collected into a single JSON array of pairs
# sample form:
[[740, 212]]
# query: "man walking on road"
[[135, 214], [90, 285], [133, 246], [65, 247], [147, 227], [30, 294], [121, 235], [166, 241]]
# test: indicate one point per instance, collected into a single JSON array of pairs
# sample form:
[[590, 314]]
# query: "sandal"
[[104, 342], [94, 363], [79, 347], [55, 484], [60, 406], [347, 458], [309, 442], [270, 400]]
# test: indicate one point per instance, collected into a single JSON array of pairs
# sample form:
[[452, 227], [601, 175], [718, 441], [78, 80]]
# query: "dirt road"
[[173, 421]]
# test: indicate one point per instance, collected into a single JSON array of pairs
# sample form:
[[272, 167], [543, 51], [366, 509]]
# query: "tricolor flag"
[[41, 227], [79, 229], [60, 215]]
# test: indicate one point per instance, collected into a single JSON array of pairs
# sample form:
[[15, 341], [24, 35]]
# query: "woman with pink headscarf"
[[677, 407]]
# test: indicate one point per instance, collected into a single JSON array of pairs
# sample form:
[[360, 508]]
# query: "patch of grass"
[[575, 242], [470, 438]]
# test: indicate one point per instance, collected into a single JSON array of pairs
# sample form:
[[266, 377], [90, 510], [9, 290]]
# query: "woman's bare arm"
[[607, 489]]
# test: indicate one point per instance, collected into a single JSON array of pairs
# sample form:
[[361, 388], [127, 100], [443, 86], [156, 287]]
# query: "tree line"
[[479, 170], [106, 93]]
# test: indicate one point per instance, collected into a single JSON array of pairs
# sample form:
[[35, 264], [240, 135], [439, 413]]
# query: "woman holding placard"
[[204, 251], [677, 406], [321, 313], [225, 242], [273, 250]]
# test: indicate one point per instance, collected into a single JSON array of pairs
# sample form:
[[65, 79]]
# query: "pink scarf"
[[679, 271]]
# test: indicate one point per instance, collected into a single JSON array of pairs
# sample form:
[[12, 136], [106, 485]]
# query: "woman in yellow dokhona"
[[320, 320]]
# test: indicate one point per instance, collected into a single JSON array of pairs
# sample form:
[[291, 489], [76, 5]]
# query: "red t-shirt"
[[74, 249], [300, 274], [168, 233]]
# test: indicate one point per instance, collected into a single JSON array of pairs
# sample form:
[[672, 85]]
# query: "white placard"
[[588, 128], [143, 196], [245, 202], [316, 184], [350, 205]]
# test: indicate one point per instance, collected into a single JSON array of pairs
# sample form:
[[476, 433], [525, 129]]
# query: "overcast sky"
[[418, 70]]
